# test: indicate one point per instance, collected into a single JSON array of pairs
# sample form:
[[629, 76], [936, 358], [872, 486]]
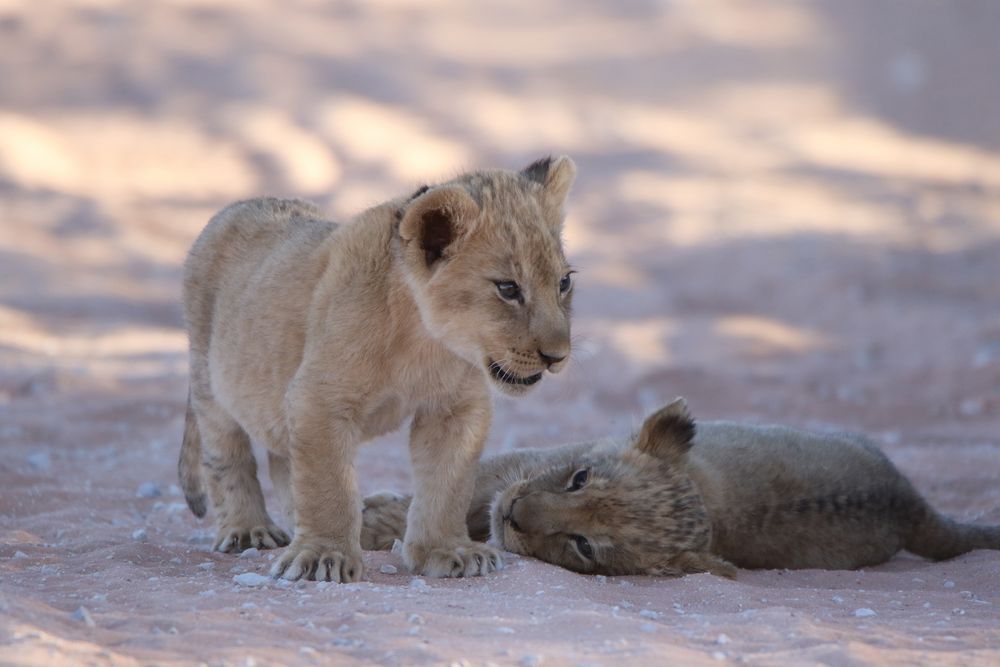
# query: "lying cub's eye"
[[566, 282], [583, 546], [578, 480], [509, 290]]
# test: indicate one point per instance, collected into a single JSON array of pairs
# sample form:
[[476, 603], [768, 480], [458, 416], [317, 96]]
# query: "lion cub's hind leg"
[[230, 471]]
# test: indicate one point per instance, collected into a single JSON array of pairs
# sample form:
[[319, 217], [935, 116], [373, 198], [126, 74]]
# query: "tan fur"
[[311, 338], [668, 502]]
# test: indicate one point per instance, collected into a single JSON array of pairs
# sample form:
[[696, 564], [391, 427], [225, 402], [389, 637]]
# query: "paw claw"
[[317, 563], [263, 536], [469, 559]]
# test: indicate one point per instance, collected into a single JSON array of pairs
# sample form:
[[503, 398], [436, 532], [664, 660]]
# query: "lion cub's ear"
[[434, 220], [667, 433], [556, 176]]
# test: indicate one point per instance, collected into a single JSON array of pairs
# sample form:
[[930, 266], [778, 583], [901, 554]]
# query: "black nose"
[[549, 359]]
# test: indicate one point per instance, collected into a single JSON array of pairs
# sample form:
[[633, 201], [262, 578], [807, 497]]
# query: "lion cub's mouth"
[[507, 377]]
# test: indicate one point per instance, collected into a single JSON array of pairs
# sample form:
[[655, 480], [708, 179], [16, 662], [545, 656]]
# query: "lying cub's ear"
[[434, 220], [556, 176], [668, 432], [692, 562]]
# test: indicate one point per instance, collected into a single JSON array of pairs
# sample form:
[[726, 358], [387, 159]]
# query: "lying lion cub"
[[311, 338], [669, 502]]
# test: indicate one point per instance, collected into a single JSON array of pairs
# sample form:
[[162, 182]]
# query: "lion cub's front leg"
[[327, 541], [445, 444]]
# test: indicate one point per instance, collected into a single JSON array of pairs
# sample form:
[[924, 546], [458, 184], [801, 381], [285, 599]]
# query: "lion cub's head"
[[483, 257], [616, 511]]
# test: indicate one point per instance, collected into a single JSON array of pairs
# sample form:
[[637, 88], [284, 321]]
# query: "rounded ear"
[[434, 220], [691, 562], [668, 433], [556, 176]]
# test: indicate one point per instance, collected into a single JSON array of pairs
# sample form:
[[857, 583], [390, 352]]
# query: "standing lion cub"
[[312, 338]]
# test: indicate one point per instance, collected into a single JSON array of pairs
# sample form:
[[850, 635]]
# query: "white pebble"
[[419, 584], [252, 552], [864, 612], [719, 655], [837, 599], [388, 569], [207, 565], [646, 613], [505, 630], [722, 639], [415, 619], [949, 584], [148, 490], [40, 461], [251, 579], [139, 535], [531, 660], [19, 555]]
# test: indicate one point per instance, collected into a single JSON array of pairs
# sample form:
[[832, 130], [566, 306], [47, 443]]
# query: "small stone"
[[864, 612], [207, 565], [41, 461], [252, 552], [531, 660], [415, 619], [148, 490], [388, 569], [722, 639], [646, 613], [505, 630], [139, 535], [18, 555], [837, 599], [949, 584], [83, 614], [419, 584], [251, 579]]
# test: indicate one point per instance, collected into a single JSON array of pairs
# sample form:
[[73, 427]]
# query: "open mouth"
[[507, 377]]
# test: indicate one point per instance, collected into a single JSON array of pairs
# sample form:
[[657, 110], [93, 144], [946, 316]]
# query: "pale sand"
[[786, 212]]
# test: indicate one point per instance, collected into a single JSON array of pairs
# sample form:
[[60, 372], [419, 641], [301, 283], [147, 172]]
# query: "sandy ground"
[[785, 212]]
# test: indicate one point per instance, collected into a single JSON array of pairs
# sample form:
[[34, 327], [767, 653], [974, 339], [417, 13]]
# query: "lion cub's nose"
[[550, 359]]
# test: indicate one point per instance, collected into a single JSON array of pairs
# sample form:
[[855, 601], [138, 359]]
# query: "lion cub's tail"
[[937, 537], [189, 464]]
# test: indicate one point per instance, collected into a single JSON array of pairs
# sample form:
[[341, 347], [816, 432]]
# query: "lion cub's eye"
[[578, 480], [583, 546], [509, 290], [566, 282]]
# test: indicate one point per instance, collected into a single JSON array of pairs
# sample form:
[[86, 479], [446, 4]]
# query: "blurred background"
[[785, 210]]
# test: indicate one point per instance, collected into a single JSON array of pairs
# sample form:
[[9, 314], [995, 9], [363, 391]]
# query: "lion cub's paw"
[[263, 536], [383, 520], [469, 559], [318, 563]]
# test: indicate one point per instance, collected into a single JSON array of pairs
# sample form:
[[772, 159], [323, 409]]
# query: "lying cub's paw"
[[263, 536], [317, 563], [468, 559], [383, 520]]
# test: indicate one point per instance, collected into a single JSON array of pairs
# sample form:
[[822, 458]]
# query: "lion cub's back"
[[780, 497], [253, 262]]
